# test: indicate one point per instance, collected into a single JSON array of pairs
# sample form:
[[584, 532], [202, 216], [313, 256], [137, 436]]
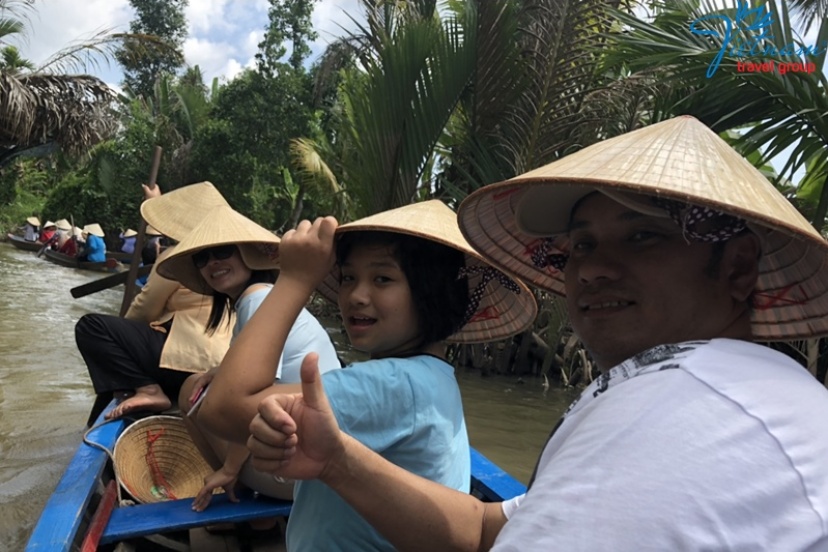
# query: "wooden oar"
[[139, 240], [107, 282]]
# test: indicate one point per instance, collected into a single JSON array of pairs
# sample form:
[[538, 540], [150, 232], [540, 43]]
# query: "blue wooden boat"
[[82, 513]]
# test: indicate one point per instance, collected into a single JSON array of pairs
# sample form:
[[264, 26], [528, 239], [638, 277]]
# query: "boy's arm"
[[296, 436]]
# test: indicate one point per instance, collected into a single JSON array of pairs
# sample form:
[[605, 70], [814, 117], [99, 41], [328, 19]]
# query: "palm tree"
[[43, 109]]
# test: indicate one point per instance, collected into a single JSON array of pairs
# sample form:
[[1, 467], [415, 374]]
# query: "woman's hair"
[[431, 269], [223, 302]]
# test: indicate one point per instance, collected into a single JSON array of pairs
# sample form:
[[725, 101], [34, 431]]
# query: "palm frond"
[[72, 110]]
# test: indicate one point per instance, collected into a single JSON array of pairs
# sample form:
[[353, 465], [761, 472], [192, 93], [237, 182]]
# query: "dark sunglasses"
[[219, 253]]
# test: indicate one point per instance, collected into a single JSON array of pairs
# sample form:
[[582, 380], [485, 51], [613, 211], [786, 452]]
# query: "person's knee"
[[90, 328]]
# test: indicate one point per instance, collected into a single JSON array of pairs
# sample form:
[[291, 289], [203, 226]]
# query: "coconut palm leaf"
[[396, 106]]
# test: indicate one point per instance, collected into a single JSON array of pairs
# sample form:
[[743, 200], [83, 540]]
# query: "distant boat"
[[25, 245], [84, 510], [110, 265]]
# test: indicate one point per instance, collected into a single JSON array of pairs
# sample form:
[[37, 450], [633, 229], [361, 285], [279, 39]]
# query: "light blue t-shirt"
[[406, 409], [306, 336]]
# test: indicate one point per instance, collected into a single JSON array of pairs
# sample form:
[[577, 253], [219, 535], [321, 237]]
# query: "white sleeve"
[[509, 506]]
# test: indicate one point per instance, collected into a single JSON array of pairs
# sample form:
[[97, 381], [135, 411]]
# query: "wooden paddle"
[[107, 282], [139, 240]]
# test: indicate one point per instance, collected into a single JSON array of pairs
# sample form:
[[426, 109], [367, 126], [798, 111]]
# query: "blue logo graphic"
[[756, 24]]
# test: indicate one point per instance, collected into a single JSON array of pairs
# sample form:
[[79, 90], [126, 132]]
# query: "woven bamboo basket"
[[156, 460]]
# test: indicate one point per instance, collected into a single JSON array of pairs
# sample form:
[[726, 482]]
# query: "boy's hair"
[[431, 269], [223, 302]]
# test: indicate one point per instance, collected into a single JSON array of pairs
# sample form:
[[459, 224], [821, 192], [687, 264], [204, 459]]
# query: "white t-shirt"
[[719, 445]]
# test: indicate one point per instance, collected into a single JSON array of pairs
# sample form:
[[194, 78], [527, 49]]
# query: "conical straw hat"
[[48, 224], [130, 232], [63, 224], [176, 213], [259, 247], [156, 460], [678, 159], [500, 313], [152, 231], [94, 229], [34, 221]]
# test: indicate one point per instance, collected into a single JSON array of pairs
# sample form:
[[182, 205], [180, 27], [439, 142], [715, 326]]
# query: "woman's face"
[[223, 269]]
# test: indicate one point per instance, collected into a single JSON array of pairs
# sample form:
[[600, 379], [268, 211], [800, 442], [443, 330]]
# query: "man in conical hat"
[[675, 256]]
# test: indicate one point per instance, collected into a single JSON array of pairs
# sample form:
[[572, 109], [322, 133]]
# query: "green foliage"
[[289, 21], [242, 148], [142, 65]]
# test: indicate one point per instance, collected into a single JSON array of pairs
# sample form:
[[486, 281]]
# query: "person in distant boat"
[[676, 256], [145, 357], [72, 246], [128, 238], [94, 250], [149, 254], [234, 259], [63, 232], [30, 229], [48, 234], [154, 236], [406, 281]]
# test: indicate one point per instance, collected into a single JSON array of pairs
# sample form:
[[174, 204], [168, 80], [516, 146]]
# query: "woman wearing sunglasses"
[[234, 260]]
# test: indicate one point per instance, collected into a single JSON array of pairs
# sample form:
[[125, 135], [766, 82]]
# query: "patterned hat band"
[[688, 217], [487, 274]]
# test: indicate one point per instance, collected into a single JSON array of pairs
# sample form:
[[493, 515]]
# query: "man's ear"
[[741, 265]]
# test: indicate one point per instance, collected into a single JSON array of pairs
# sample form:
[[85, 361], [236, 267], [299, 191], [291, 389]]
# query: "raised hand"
[[150, 193], [296, 436], [307, 252]]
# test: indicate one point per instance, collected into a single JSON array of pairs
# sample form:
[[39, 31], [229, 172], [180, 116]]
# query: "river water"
[[45, 394]]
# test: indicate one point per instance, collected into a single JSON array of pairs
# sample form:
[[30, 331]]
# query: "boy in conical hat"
[[406, 281], [675, 255]]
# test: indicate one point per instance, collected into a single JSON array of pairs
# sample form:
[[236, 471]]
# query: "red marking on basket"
[[505, 193], [157, 477], [779, 298], [489, 313]]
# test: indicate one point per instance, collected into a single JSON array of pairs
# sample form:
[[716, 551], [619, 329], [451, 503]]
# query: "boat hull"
[[25, 245], [72, 262], [68, 517]]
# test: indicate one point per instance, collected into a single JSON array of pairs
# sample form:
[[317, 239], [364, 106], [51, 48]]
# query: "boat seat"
[[177, 515]]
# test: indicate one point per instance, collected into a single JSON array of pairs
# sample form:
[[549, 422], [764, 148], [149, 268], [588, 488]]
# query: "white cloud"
[[56, 24], [223, 35], [205, 16]]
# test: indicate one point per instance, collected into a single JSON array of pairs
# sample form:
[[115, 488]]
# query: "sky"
[[223, 35]]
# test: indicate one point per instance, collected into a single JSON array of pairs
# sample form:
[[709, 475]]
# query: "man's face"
[[633, 282]]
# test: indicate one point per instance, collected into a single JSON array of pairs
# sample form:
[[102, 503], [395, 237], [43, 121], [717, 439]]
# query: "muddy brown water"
[[45, 394]]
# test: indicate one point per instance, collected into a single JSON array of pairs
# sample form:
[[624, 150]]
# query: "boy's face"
[[633, 282], [376, 303]]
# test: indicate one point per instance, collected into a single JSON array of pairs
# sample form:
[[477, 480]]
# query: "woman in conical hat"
[[234, 260], [95, 249], [148, 354], [406, 282], [30, 228]]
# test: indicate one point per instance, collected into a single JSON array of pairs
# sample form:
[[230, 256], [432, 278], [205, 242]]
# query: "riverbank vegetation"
[[423, 99]]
